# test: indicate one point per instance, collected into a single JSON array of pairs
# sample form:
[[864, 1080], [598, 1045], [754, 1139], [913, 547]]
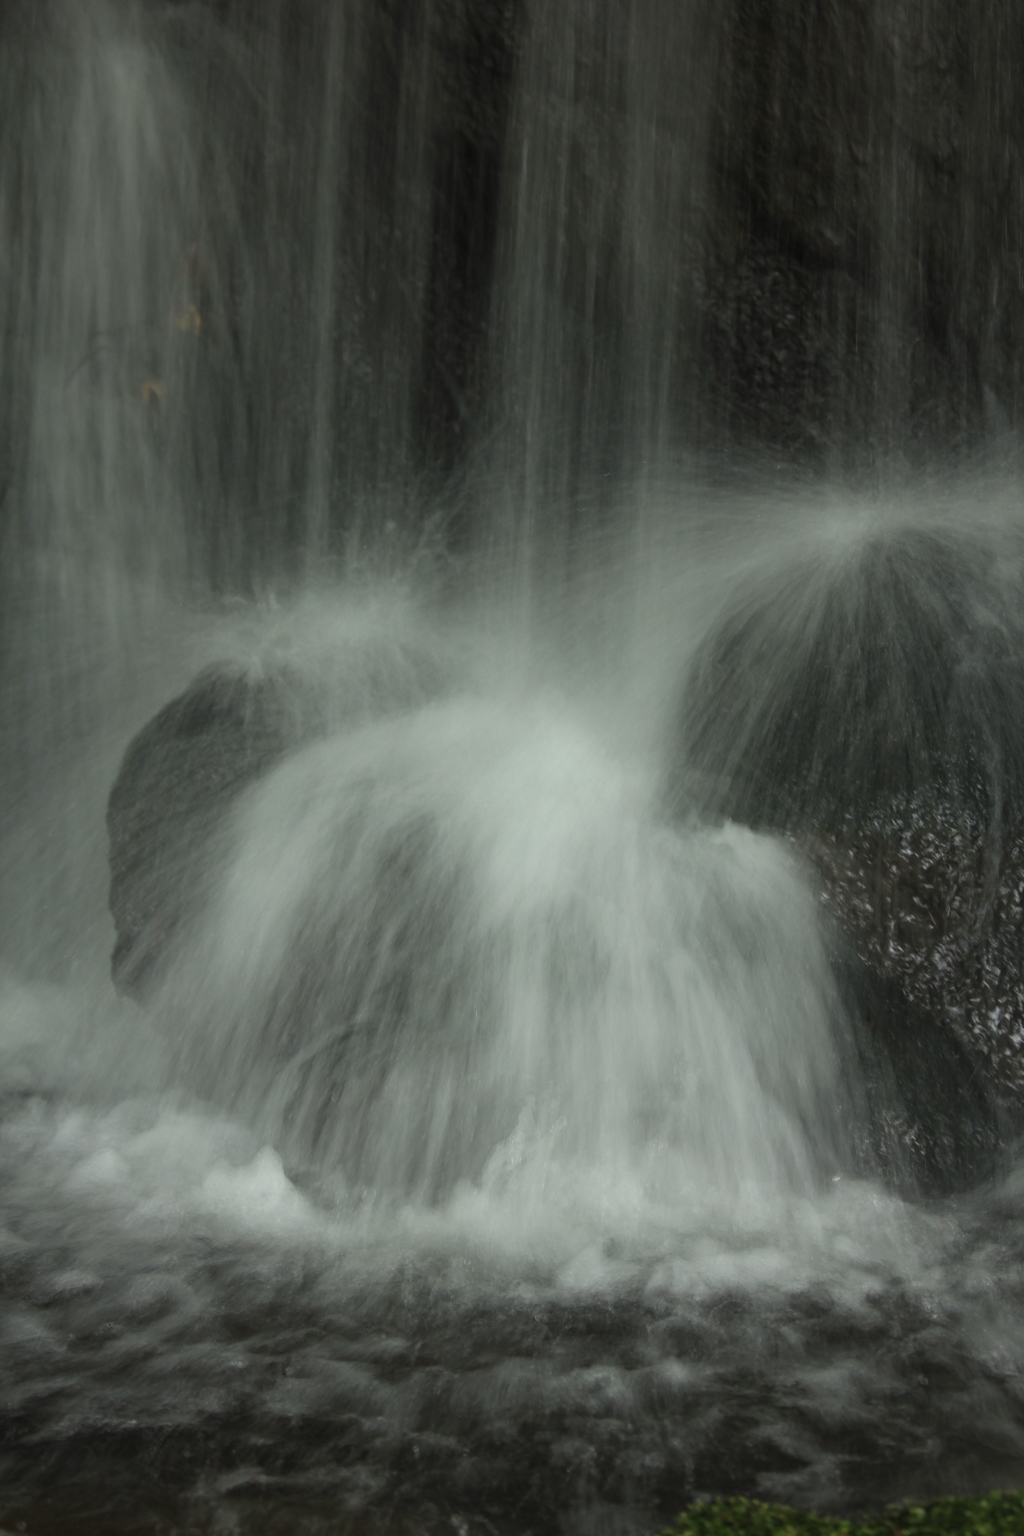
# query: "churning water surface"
[[551, 1220]]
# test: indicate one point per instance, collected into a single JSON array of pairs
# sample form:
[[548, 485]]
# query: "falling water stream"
[[489, 1153]]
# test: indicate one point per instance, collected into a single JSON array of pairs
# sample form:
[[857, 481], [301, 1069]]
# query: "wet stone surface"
[[168, 811], [934, 910], [866, 702]]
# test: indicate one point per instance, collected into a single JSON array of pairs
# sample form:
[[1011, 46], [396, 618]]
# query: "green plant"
[[997, 1514]]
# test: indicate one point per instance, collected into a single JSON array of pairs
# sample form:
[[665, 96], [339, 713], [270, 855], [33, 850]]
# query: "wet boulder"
[[177, 779], [868, 703], [168, 810]]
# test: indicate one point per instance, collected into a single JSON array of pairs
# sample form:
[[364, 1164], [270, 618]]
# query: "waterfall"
[[595, 307], [438, 929], [510, 662]]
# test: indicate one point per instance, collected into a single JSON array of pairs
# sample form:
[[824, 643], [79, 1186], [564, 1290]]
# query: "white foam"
[[257, 1196]]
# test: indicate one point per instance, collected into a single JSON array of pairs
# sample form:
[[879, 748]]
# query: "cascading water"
[[437, 926], [488, 1133]]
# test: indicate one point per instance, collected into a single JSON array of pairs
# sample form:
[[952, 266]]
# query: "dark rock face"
[[933, 914], [860, 229], [870, 705]]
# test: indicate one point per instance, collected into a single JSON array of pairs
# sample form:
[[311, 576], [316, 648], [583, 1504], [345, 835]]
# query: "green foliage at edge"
[[997, 1514]]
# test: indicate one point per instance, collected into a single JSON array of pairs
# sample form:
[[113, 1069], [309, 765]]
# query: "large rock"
[[869, 704]]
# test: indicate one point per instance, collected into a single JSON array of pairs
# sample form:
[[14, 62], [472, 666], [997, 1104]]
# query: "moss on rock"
[[996, 1514]]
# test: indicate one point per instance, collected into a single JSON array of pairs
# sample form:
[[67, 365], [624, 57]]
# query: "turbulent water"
[[552, 1218], [490, 1156]]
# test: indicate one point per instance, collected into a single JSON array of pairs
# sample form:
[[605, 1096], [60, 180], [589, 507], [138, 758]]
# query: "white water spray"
[[443, 926]]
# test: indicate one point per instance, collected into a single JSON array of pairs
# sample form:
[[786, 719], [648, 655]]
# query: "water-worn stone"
[[178, 777], [183, 772], [869, 704]]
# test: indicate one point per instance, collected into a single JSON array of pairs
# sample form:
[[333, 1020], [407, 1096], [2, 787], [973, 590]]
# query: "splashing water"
[[440, 927], [488, 1146], [490, 1153]]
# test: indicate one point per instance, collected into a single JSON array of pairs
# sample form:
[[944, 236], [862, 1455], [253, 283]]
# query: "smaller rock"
[[182, 773], [179, 776]]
